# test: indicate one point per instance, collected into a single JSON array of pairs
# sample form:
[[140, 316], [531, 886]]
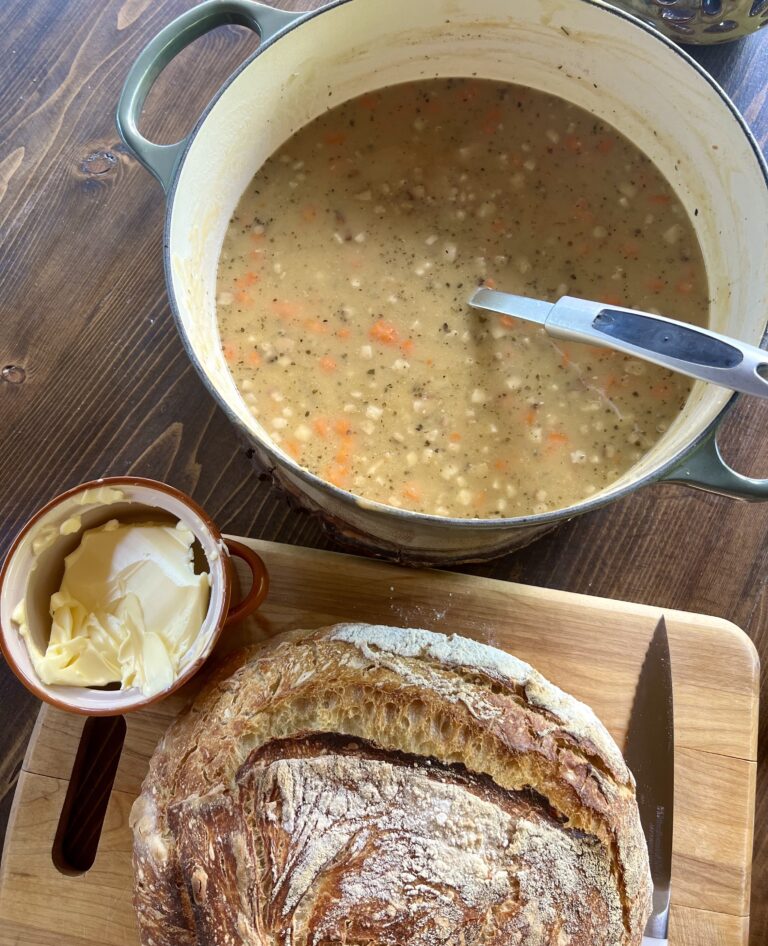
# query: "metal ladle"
[[687, 349]]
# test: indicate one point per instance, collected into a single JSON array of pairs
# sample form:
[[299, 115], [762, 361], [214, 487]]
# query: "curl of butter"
[[129, 609], [95, 496]]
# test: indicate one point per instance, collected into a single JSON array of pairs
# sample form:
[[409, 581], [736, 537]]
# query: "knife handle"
[[687, 349]]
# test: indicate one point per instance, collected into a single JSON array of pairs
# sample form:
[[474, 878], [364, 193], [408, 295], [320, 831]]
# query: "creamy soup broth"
[[343, 286]]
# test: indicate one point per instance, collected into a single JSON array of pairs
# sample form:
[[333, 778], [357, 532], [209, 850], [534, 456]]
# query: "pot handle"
[[161, 160], [704, 468]]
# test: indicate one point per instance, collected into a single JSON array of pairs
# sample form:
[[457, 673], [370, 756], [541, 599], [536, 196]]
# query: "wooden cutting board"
[[591, 647]]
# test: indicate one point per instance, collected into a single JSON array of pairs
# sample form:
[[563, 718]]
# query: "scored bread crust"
[[472, 802]]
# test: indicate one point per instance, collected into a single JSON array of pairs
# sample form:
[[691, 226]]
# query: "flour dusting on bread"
[[365, 784], [457, 651]]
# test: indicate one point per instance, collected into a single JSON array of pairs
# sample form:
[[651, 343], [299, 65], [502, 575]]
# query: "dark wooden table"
[[95, 380]]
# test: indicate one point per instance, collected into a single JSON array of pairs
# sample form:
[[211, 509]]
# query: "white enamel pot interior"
[[583, 51]]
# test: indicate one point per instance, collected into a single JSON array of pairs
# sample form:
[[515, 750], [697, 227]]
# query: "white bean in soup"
[[343, 286]]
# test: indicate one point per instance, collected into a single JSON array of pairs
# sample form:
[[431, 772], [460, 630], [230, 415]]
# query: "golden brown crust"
[[256, 818]]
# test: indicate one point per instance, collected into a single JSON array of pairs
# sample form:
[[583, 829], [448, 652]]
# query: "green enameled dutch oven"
[[582, 50]]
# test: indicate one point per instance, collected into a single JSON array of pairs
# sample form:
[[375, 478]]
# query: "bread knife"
[[687, 349], [650, 755]]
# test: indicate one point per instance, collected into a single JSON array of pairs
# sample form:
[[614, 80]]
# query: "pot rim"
[[42, 690], [350, 499]]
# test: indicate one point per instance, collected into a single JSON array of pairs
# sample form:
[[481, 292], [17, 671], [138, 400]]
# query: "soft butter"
[[128, 611]]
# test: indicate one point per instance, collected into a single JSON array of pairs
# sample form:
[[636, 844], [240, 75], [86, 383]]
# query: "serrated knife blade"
[[650, 755]]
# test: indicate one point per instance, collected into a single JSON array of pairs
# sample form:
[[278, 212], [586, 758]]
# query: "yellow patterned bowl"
[[700, 21]]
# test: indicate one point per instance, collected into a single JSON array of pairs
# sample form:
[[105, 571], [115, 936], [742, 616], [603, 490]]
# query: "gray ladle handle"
[[696, 352]]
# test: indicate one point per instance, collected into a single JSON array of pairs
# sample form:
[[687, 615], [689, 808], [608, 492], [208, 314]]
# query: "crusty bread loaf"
[[369, 785]]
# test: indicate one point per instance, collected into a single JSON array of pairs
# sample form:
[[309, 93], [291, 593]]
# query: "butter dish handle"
[[259, 582]]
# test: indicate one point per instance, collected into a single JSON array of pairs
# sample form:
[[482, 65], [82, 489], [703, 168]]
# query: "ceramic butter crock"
[[584, 51], [34, 567]]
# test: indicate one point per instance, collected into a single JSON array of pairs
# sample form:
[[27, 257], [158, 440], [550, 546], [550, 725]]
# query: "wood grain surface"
[[95, 380], [714, 678]]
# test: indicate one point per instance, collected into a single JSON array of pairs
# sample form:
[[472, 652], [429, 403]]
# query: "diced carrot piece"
[[684, 287], [385, 332], [308, 213], [491, 120], [342, 427], [256, 238], [565, 359], [292, 448], [369, 101], [530, 417], [501, 464], [661, 390], [230, 352], [253, 358], [630, 249], [316, 326], [243, 297], [328, 364], [556, 436], [344, 453], [655, 284], [573, 143], [455, 437], [285, 309], [605, 145], [489, 283], [321, 427], [412, 491], [498, 225], [509, 321], [248, 278], [660, 199], [406, 346], [610, 298], [343, 333], [337, 473], [335, 138]]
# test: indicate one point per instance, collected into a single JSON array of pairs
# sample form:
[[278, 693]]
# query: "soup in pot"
[[343, 284]]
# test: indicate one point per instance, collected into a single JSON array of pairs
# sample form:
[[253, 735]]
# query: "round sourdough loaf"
[[362, 784]]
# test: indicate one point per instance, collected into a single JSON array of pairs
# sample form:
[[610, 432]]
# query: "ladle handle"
[[698, 353], [163, 160], [687, 349]]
